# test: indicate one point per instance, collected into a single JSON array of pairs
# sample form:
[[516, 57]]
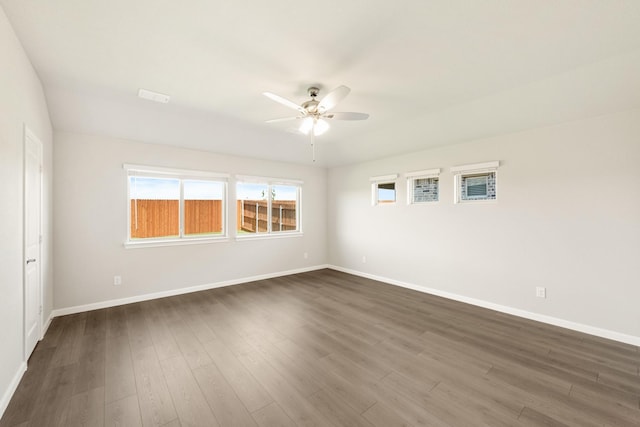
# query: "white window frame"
[[181, 175], [474, 169], [412, 177], [270, 182], [383, 179]]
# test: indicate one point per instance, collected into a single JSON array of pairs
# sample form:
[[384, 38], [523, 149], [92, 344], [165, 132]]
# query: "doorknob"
[[31, 260]]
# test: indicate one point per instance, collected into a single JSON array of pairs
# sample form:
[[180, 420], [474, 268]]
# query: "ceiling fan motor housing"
[[311, 106]]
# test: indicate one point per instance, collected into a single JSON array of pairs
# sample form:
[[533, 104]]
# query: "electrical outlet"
[[117, 280], [541, 292], [364, 259], [306, 255]]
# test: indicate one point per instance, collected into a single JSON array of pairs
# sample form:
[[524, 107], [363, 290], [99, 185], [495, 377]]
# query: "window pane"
[[155, 204], [425, 190], [203, 207], [284, 208], [478, 186], [252, 207], [387, 192]]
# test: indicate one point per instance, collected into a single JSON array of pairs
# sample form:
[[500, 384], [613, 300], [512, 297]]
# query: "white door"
[[32, 241]]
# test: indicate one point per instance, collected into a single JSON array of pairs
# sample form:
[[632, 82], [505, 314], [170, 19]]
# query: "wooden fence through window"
[[251, 215], [161, 218]]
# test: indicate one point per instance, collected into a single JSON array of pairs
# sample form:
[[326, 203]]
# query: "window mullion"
[[181, 210], [269, 208]]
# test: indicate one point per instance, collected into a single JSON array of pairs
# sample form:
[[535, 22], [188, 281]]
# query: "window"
[[386, 192], [383, 189], [476, 182], [169, 205], [267, 207], [476, 187], [423, 186]]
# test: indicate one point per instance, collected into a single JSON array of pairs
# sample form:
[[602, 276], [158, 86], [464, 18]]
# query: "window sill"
[[174, 242], [477, 202], [264, 236], [434, 202]]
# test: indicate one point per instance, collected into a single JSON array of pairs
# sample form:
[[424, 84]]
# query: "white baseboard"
[[180, 291], [587, 329], [13, 386]]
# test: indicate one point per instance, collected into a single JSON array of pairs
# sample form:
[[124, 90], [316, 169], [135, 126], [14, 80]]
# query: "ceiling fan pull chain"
[[313, 145]]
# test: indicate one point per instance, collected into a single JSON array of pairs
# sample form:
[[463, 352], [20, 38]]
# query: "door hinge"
[[40, 239], [40, 312]]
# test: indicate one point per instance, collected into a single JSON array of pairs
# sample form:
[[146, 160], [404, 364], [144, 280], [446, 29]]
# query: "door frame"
[[30, 135]]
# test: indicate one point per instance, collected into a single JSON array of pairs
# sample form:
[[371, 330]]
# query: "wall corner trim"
[[579, 327]]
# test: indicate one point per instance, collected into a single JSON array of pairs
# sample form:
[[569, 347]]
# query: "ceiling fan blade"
[[346, 116], [332, 98], [283, 101], [284, 119]]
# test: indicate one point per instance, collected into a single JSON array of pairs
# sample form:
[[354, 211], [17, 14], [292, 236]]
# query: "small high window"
[[476, 182], [478, 186], [423, 186], [386, 192], [383, 189]]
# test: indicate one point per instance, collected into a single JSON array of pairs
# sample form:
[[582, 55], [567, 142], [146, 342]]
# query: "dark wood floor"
[[324, 349]]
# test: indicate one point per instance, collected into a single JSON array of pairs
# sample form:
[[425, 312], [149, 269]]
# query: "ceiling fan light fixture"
[[306, 125], [321, 126], [313, 112]]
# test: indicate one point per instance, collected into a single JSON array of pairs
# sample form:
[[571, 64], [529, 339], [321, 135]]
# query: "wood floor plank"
[[353, 393], [336, 410], [425, 413], [54, 396], [86, 409], [96, 323], [227, 407], [163, 340], [531, 417], [272, 416], [250, 392], [292, 372], [24, 401], [119, 375], [287, 397], [190, 347], [190, 404], [137, 331], [116, 321], [381, 416], [321, 348], [123, 412], [156, 406], [91, 363], [69, 344]]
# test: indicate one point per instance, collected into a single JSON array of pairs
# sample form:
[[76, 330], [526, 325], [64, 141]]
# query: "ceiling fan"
[[315, 114]]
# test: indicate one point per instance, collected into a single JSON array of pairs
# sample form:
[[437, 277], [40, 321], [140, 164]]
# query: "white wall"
[[90, 224], [21, 101], [567, 218]]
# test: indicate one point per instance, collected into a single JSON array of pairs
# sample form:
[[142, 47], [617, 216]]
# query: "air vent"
[[153, 96]]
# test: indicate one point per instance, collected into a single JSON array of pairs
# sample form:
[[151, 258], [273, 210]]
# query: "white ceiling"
[[429, 72]]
